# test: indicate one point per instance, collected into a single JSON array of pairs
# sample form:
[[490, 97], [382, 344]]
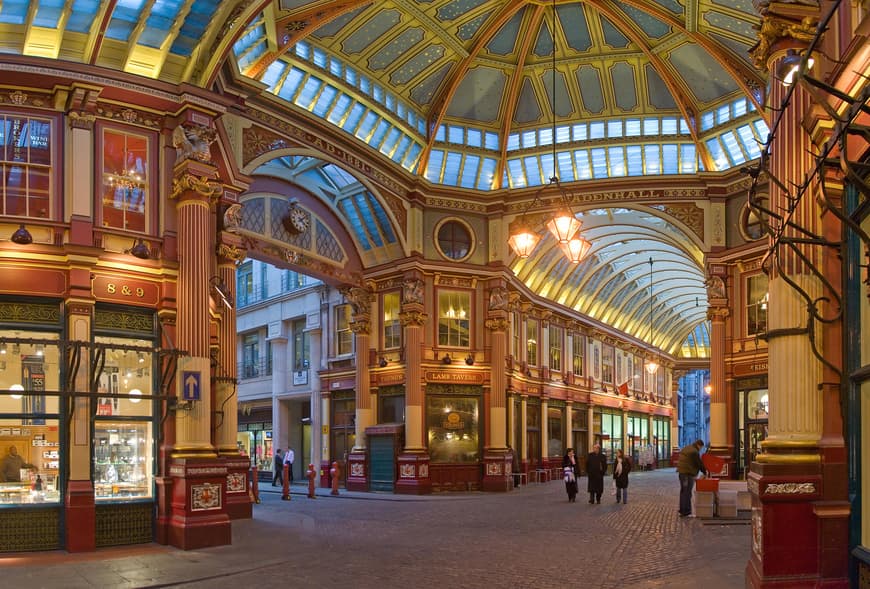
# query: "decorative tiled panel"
[[236, 482], [29, 529], [205, 497], [29, 313], [117, 525]]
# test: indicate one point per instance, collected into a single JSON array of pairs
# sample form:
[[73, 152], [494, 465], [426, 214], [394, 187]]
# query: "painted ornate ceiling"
[[465, 93]]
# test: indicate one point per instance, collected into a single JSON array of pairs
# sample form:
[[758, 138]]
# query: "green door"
[[383, 463]]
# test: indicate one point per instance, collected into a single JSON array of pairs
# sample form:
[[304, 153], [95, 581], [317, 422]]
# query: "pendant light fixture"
[[564, 226]]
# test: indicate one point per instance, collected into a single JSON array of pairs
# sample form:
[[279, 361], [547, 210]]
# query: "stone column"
[[717, 314], [590, 421], [524, 420], [414, 459], [569, 426], [800, 475], [360, 300], [199, 490], [498, 462], [545, 434]]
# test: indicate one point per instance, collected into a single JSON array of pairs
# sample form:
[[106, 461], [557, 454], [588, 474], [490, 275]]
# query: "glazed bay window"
[[453, 425], [578, 347], [392, 326], [123, 459], [532, 341], [25, 166], [454, 325], [125, 179], [756, 305], [555, 337], [343, 334], [29, 419]]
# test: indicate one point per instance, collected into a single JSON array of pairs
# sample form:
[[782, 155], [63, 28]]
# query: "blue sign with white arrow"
[[190, 385]]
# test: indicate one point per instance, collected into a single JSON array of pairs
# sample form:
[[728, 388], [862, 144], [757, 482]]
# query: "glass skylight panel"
[[547, 164], [545, 136], [529, 139], [309, 92], [596, 130], [688, 158], [533, 171], [563, 134], [580, 132], [390, 102], [456, 135], [614, 128], [761, 129], [634, 158], [433, 168], [353, 219], [379, 133], [581, 162], [669, 126], [342, 104], [670, 159], [513, 142], [652, 159], [389, 146], [291, 84], [368, 124], [617, 161], [378, 93], [303, 50], [410, 161], [452, 167], [475, 137], [81, 16], [441, 133], [319, 58], [599, 162], [739, 107], [491, 140], [469, 171], [650, 126], [632, 128], [338, 175], [723, 114], [516, 174], [365, 84], [350, 76], [399, 153], [273, 73], [720, 160], [335, 67], [486, 178], [566, 169], [353, 119], [684, 127], [365, 210], [707, 120], [324, 101], [729, 139], [747, 139]]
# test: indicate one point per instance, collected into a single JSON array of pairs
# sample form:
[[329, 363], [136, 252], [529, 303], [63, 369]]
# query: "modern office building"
[[530, 220]]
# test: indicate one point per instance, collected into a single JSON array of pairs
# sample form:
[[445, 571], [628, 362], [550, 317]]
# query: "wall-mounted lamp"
[[22, 236], [222, 291], [16, 387], [134, 395], [469, 359], [40, 350], [790, 66], [140, 250], [383, 362], [3, 348], [708, 389], [141, 358], [446, 359]]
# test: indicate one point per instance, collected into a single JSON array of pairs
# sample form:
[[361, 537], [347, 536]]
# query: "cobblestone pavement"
[[531, 537]]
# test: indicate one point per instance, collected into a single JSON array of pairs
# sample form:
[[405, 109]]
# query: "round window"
[[454, 240], [751, 225]]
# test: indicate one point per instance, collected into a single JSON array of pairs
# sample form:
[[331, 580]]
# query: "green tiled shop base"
[[125, 524], [29, 529]]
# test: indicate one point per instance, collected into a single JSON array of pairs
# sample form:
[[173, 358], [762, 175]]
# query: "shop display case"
[[123, 460]]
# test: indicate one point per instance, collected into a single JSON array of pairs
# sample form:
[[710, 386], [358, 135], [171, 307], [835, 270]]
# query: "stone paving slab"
[[531, 537]]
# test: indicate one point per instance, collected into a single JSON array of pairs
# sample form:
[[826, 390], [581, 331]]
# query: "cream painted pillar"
[[226, 379], [524, 420], [511, 425], [317, 416], [278, 339], [413, 319], [497, 325], [569, 426], [590, 421], [192, 192], [545, 431], [718, 396], [360, 300]]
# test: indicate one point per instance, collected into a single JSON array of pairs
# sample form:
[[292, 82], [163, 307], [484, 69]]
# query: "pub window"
[[392, 325], [125, 174], [123, 459], [301, 346], [555, 336], [578, 345], [453, 428], [30, 443], [26, 164], [756, 305], [454, 319], [532, 341], [343, 334]]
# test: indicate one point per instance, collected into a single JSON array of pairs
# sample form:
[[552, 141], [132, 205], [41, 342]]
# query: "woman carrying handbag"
[[571, 470]]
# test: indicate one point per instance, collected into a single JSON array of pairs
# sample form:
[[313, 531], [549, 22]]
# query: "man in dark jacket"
[[596, 466], [278, 468], [688, 466]]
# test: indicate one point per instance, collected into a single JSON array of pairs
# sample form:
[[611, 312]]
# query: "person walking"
[[278, 468], [571, 468], [289, 457], [688, 466], [596, 466], [621, 468]]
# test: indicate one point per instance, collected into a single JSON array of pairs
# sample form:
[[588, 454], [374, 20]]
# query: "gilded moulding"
[[790, 489], [191, 183]]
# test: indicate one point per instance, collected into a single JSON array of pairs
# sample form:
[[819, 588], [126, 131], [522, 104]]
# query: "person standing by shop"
[[596, 466], [621, 468], [571, 470], [278, 468], [289, 457], [688, 466]]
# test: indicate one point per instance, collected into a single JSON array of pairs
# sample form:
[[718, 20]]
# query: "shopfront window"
[[125, 184], [662, 440], [639, 448], [555, 445], [123, 458], [25, 164], [391, 405], [611, 433], [453, 424]]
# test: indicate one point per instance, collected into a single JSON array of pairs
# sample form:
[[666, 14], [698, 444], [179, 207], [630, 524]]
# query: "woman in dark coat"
[[621, 468], [596, 466], [571, 470]]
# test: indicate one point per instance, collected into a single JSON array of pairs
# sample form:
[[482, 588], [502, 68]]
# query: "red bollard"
[[255, 485], [334, 472], [285, 490], [310, 476]]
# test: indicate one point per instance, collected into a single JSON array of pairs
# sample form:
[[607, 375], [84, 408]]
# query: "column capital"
[[194, 180], [497, 324], [413, 318], [361, 325], [229, 254], [718, 314], [784, 24]]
